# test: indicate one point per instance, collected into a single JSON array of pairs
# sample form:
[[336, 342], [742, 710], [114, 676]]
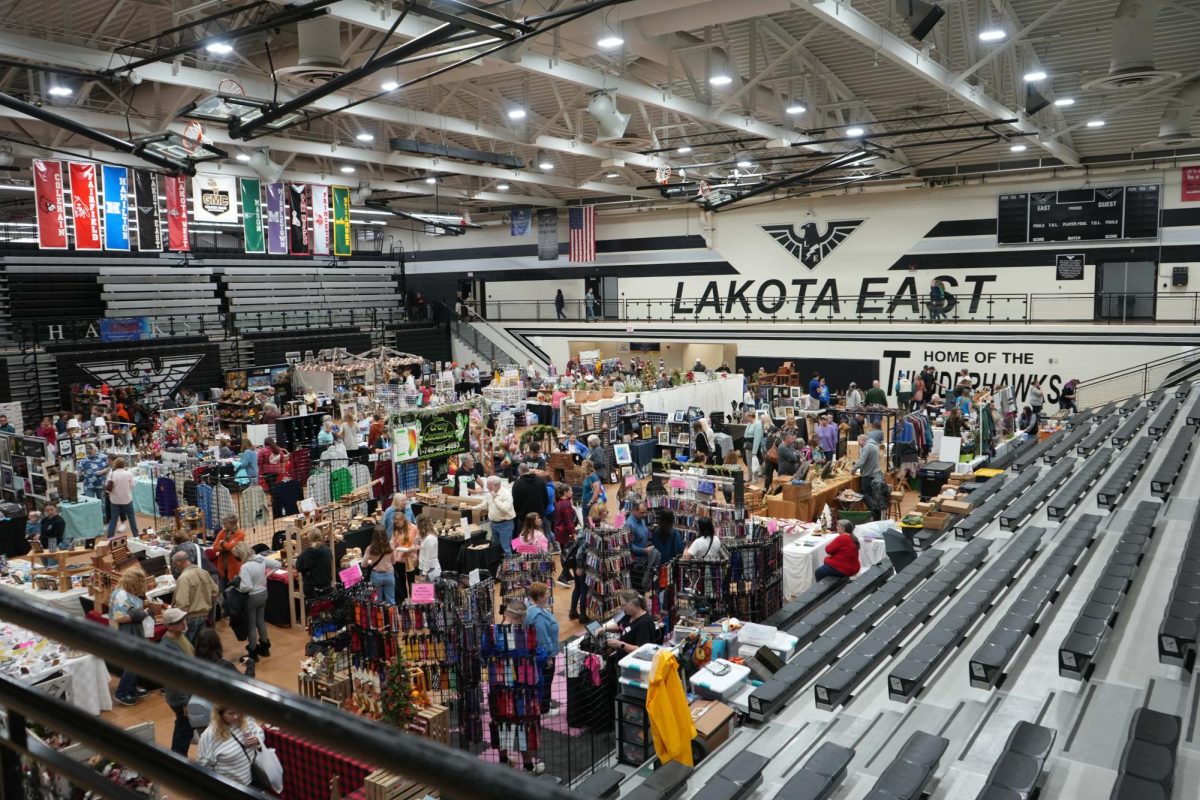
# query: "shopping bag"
[[272, 769]]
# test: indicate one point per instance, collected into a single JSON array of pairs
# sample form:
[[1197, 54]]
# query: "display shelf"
[[606, 564]]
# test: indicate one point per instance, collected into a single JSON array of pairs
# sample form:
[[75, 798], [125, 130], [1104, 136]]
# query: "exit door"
[[1125, 290], [607, 300]]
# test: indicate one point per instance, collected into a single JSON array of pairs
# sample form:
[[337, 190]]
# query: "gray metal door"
[[611, 300], [1125, 290]]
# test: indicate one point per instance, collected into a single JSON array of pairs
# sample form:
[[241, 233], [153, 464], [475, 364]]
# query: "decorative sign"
[[406, 442], [124, 329], [343, 241], [423, 594], [522, 219], [116, 208], [85, 207], [298, 241], [277, 235], [1068, 267], [146, 211], [51, 216], [547, 228], [214, 198], [178, 237], [320, 219], [1191, 185], [351, 575], [442, 434], [1075, 215], [252, 222]]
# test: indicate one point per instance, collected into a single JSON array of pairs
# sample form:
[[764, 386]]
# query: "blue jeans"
[[555, 416], [826, 571], [502, 532], [122, 510], [384, 582]]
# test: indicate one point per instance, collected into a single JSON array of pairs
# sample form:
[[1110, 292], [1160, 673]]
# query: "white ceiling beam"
[[863, 30]]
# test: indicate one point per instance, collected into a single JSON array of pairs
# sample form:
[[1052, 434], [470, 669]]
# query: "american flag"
[[582, 223]]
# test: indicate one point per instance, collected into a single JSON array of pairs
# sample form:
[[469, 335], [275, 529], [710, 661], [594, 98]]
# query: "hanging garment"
[[316, 488], [300, 465], [189, 493], [386, 486], [360, 475], [285, 498], [252, 507], [166, 497], [340, 483], [670, 718], [206, 500]]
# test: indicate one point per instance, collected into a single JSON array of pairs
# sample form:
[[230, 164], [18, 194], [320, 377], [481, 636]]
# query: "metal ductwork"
[[1132, 65], [602, 107], [1175, 128], [319, 57]]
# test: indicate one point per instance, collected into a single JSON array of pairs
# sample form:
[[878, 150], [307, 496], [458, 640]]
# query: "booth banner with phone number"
[[439, 435]]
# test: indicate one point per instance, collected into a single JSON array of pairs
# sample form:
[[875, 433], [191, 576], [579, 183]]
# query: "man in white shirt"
[[499, 503]]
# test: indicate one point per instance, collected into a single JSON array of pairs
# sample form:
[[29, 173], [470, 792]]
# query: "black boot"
[[264, 650], [251, 654]]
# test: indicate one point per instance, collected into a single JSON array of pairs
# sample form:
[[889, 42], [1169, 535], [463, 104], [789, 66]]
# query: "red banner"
[[51, 216], [1191, 184], [85, 208], [177, 204]]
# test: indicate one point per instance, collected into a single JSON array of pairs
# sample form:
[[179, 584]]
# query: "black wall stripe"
[[638, 245], [668, 270], [1180, 217], [962, 227], [1001, 258]]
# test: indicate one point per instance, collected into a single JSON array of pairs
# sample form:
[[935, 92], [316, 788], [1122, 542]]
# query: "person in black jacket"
[[528, 493], [315, 565], [54, 530]]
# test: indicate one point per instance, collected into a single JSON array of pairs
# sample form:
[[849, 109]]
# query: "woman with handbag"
[[119, 489], [232, 746], [377, 566], [770, 444], [127, 612]]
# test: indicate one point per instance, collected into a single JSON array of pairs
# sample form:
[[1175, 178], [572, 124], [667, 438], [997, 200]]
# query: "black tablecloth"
[[643, 452], [277, 604], [450, 548], [545, 414], [482, 557], [12, 537]]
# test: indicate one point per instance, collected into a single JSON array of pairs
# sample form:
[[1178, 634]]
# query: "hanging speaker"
[[1034, 101], [920, 16]]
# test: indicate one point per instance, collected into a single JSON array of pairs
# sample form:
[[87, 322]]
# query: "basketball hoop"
[[704, 190], [230, 86], [663, 173], [192, 136]]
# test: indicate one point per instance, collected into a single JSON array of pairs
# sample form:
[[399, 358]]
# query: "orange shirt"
[[227, 565]]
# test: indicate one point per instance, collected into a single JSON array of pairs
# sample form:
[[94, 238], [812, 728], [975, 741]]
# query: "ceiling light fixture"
[[1035, 76], [683, 151], [389, 86], [1018, 148], [431, 180], [796, 107], [347, 169], [612, 175], [60, 91], [610, 41], [516, 113], [720, 79], [1064, 101], [242, 157], [219, 48], [365, 137], [992, 35], [502, 187], [744, 163], [1095, 123], [544, 162], [854, 132]]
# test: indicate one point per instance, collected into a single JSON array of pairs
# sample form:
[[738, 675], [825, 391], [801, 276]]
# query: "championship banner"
[[343, 243], [145, 204], [252, 222], [213, 198], [277, 233], [85, 207], [51, 216], [522, 221], [116, 208], [320, 218], [178, 237], [298, 241]]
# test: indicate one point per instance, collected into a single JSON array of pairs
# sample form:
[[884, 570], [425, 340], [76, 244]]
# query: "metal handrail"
[[453, 772]]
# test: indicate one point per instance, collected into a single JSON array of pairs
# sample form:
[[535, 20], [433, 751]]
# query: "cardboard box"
[[922, 508], [561, 461], [795, 493], [713, 720], [782, 509], [937, 520], [955, 507]]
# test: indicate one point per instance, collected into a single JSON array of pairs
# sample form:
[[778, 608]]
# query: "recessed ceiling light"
[[503, 187], [219, 48], [796, 108], [516, 113], [720, 79], [855, 132], [683, 151], [60, 91], [431, 180], [1018, 148], [242, 157], [347, 169], [610, 41], [389, 86], [1065, 101], [1095, 123], [612, 175], [992, 35], [365, 137], [545, 164], [745, 163], [1035, 76]]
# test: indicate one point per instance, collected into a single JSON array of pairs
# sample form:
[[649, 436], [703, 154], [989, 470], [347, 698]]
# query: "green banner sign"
[[252, 222], [440, 435], [343, 244]]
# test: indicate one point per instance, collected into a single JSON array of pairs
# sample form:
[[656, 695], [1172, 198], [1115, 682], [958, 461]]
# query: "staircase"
[[1140, 380], [491, 343]]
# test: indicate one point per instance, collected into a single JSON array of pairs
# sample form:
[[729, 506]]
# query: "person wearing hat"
[[92, 469], [176, 622]]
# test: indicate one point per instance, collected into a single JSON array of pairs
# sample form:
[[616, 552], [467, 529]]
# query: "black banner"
[[1068, 267], [147, 212], [299, 238], [547, 229], [159, 370], [442, 434]]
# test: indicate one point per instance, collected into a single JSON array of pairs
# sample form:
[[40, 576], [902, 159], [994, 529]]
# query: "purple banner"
[[277, 232]]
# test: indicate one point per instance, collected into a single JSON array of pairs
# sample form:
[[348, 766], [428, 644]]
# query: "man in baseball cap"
[[175, 639]]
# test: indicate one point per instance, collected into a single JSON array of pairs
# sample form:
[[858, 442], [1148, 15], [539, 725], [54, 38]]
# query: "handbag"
[[367, 570], [266, 771], [108, 486], [773, 454]]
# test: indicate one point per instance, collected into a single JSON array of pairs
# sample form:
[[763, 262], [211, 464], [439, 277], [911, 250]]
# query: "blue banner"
[[522, 219], [116, 208], [124, 329]]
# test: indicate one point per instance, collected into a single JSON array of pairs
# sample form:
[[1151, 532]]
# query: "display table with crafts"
[[29, 659], [84, 518], [714, 395], [824, 494], [803, 556]]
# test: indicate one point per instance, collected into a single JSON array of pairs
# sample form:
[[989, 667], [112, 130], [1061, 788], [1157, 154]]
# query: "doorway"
[[475, 294], [1125, 290], [605, 291]]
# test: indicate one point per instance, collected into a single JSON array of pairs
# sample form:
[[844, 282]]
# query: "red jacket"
[[563, 521], [842, 554]]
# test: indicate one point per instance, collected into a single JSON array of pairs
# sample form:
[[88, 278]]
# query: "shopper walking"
[[751, 443], [93, 471], [903, 391], [252, 581], [564, 524], [120, 497], [247, 464], [378, 561], [769, 452], [175, 621], [937, 301], [127, 610], [827, 437], [589, 305], [229, 744], [854, 397], [560, 303], [499, 504], [871, 481], [427, 557], [528, 493], [195, 592]]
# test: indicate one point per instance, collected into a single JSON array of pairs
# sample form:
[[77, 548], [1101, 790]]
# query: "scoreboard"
[[1079, 215]]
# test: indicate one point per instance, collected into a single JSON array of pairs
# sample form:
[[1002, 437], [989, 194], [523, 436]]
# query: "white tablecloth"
[[88, 685], [65, 601], [714, 395], [802, 557]]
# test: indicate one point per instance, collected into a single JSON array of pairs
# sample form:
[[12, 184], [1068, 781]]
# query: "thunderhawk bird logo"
[[158, 378], [808, 245]]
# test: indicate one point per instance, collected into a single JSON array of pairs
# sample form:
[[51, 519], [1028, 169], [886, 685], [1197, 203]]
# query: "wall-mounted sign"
[[1191, 185], [1068, 267]]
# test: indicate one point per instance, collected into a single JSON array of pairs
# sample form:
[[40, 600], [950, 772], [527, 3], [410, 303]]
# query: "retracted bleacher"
[[1023, 507], [1130, 427], [1180, 628], [909, 675], [1162, 482], [1129, 405], [810, 598], [1132, 462], [1193, 414], [1080, 419], [851, 593], [736, 780], [1066, 446], [1079, 649], [1183, 390], [981, 516], [1163, 419], [1147, 769], [1155, 399], [820, 775], [911, 771], [1035, 453], [1098, 436], [988, 664], [1063, 503], [1018, 772]]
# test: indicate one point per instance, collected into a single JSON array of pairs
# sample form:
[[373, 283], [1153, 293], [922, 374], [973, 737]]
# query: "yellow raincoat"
[[670, 718]]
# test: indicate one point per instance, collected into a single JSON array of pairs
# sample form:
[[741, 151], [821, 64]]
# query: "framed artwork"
[[6, 477], [684, 438], [679, 415], [5, 449], [664, 437], [80, 452], [626, 470], [795, 391], [64, 446], [622, 453], [647, 430]]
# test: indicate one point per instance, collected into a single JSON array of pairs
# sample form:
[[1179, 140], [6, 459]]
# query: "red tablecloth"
[[308, 768]]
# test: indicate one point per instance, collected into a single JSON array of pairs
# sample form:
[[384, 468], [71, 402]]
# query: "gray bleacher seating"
[[1098, 436], [1162, 482], [1183, 390], [1066, 445], [1163, 419], [820, 775], [1133, 460], [1035, 453], [1155, 400], [844, 676], [908, 676], [603, 784], [982, 515], [1079, 419], [1193, 414], [1024, 506], [850, 593], [1017, 773], [809, 599], [737, 779], [1180, 628], [665, 783], [1129, 428], [1147, 769], [988, 664], [911, 771], [1079, 648], [1061, 505], [767, 699], [1014, 449], [1129, 405]]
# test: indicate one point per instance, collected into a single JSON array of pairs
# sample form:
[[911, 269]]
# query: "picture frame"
[[684, 439], [678, 415], [795, 391], [5, 449], [664, 437], [626, 470], [622, 454], [64, 446], [6, 477], [647, 430]]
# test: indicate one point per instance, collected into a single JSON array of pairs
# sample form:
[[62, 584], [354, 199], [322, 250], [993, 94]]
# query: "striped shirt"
[[226, 756]]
